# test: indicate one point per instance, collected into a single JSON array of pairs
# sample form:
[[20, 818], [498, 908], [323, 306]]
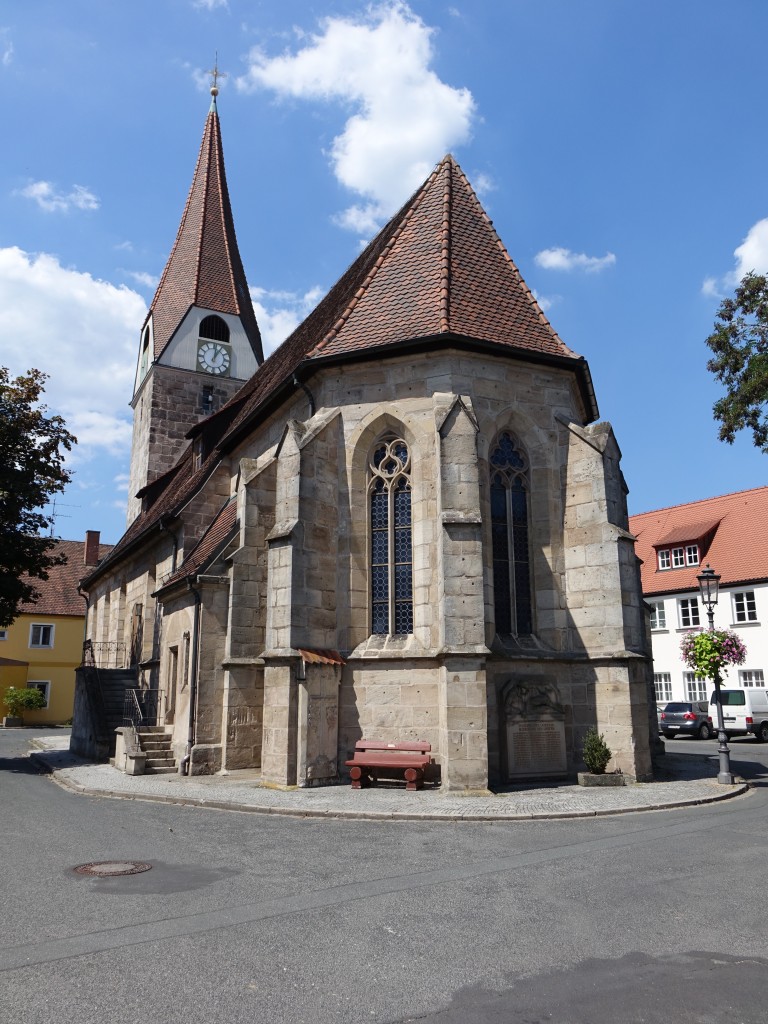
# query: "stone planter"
[[12, 722], [608, 779]]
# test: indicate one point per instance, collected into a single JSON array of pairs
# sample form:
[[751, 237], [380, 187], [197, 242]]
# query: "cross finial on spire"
[[215, 76]]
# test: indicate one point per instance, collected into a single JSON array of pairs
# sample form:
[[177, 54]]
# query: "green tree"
[[32, 453], [740, 361]]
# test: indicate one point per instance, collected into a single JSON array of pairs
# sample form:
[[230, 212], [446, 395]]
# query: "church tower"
[[200, 340]]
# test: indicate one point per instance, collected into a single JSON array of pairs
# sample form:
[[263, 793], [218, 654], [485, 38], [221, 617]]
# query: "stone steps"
[[155, 741]]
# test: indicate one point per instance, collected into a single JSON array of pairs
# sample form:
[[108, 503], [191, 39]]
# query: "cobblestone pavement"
[[682, 780]]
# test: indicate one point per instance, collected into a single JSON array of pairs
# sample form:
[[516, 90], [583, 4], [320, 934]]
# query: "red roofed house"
[[729, 534], [44, 644], [406, 523]]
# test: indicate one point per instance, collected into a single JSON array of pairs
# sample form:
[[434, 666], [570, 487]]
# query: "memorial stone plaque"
[[535, 731]]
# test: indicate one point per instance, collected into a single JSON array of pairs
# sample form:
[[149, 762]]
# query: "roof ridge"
[[505, 254], [697, 501], [445, 248], [413, 204]]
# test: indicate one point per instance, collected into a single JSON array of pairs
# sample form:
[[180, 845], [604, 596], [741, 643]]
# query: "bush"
[[29, 699], [596, 752]]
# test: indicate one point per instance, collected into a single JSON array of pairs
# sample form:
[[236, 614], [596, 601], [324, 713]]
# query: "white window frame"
[[658, 615], [44, 685], [748, 610], [662, 685], [665, 559], [678, 558], [751, 677], [695, 689], [692, 554], [41, 626], [688, 606]]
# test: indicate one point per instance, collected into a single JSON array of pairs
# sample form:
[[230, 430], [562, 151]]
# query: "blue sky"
[[620, 149]]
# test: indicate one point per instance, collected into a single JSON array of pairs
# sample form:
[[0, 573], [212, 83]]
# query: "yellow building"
[[44, 645]]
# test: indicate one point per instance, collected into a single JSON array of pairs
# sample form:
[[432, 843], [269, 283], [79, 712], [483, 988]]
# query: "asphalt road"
[[649, 917]]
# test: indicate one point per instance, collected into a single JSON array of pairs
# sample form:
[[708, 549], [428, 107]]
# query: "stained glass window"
[[391, 538], [509, 538]]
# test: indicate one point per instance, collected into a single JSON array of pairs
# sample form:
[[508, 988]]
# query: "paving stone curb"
[[76, 775]]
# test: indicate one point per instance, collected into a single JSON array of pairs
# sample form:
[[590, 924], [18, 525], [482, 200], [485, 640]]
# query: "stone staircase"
[[155, 742]]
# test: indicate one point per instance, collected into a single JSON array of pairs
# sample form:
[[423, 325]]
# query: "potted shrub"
[[18, 700], [596, 754]]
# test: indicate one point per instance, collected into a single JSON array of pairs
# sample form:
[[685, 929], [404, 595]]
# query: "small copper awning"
[[321, 657]]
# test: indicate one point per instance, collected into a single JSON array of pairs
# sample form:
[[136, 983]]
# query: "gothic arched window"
[[389, 491], [509, 531], [214, 328]]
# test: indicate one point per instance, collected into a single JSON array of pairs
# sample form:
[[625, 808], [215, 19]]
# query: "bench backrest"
[[420, 745]]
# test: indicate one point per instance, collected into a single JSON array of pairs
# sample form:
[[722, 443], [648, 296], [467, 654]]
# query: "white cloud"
[[563, 259], [483, 184], [6, 47], [404, 117], [278, 313], [143, 278], [546, 302], [752, 254], [82, 332], [210, 5], [48, 199]]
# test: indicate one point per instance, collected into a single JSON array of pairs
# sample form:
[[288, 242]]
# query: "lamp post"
[[709, 584]]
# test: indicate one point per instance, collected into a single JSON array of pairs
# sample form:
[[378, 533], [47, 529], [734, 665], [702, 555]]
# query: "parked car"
[[687, 718]]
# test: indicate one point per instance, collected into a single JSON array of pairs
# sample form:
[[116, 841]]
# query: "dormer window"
[[678, 557]]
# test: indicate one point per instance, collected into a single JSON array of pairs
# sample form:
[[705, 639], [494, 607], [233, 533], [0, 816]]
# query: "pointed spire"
[[204, 268]]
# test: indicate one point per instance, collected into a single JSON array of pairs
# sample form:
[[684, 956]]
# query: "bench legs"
[[414, 778], [362, 777]]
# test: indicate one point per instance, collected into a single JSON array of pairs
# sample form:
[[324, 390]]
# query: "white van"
[[744, 712]]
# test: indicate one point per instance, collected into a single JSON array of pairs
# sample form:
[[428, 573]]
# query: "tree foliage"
[[32, 452], [30, 699], [740, 361]]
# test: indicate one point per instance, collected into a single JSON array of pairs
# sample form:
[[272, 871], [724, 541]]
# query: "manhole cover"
[[108, 868]]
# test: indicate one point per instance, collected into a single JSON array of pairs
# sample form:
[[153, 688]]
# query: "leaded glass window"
[[391, 538], [509, 536]]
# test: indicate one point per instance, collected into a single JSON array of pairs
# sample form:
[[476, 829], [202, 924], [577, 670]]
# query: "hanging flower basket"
[[710, 652]]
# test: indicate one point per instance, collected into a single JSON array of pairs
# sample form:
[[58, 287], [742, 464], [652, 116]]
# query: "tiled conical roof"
[[436, 270], [442, 270], [204, 268]]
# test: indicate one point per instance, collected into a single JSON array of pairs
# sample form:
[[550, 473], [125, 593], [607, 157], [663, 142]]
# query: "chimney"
[[91, 551]]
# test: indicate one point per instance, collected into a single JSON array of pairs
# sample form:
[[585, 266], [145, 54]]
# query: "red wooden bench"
[[372, 757]]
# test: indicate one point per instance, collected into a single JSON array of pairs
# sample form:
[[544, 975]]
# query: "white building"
[[675, 544]]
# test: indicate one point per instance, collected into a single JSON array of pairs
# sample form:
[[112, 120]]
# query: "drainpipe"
[[184, 764], [174, 538], [299, 384], [87, 598]]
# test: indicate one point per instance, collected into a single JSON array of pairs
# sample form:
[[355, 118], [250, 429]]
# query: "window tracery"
[[510, 537], [391, 563]]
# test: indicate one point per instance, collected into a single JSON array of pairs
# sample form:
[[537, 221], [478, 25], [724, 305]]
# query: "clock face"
[[213, 357]]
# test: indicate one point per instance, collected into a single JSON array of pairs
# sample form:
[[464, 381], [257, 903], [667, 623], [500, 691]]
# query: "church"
[[408, 523]]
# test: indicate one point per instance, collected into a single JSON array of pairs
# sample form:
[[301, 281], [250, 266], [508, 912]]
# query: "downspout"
[[307, 392], [174, 538], [87, 598], [184, 764]]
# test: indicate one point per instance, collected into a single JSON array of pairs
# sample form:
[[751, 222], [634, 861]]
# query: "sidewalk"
[[684, 779]]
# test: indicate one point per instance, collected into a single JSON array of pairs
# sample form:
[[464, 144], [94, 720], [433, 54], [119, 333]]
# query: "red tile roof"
[[737, 551], [58, 594], [436, 271], [210, 544], [204, 268], [442, 270]]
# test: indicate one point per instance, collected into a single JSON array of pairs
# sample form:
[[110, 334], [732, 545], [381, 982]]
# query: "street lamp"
[[709, 585]]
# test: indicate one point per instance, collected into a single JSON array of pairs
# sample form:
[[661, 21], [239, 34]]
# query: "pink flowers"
[[708, 653]]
